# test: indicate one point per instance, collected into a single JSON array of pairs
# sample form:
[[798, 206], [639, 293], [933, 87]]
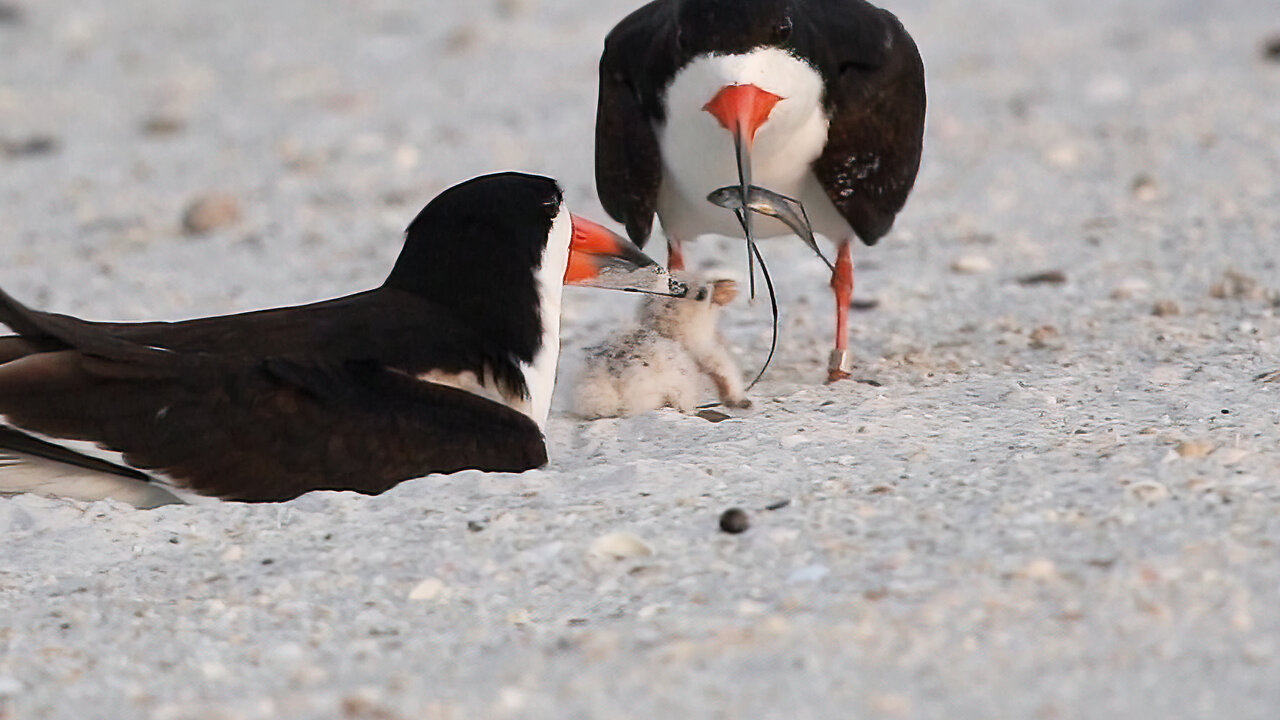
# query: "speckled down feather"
[[661, 363]]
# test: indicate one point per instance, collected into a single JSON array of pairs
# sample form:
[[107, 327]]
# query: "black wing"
[[250, 428], [876, 102], [638, 60]]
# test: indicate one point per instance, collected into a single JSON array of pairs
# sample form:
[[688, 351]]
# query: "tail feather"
[[43, 331], [31, 465], [22, 319]]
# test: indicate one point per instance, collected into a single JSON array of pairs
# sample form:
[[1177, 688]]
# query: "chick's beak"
[[599, 257]]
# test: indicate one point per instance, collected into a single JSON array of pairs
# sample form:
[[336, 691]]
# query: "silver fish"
[[766, 202]]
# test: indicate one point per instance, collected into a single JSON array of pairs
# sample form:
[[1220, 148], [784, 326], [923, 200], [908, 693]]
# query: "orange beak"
[[599, 257], [742, 109]]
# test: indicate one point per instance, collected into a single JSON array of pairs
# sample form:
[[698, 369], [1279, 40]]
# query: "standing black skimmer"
[[449, 365], [819, 100]]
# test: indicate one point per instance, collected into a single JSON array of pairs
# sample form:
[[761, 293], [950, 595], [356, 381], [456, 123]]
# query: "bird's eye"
[[552, 206], [680, 38], [782, 30], [702, 295]]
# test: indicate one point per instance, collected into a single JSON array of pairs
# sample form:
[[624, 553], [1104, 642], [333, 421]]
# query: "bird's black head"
[[732, 26], [477, 248]]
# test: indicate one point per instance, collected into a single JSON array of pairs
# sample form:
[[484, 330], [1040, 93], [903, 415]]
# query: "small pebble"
[[713, 416], [1235, 285], [1144, 188], [28, 147], [1041, 570], [971, 265], [734, 521], [1130, 287], [427, 590], [1043, 336], [1048, 277], [1166, 308], [619, 546], [461, 39], [1194, 449], [161, 125], [210, 212], [1148, 491], [778, 505], [1065, 157], [1271, 49]]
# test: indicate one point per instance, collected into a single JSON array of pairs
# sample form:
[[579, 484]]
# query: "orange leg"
[[842, 286], [675, 255]]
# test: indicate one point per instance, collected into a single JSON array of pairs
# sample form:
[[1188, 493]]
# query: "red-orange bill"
[[742, 109], [599, 257]]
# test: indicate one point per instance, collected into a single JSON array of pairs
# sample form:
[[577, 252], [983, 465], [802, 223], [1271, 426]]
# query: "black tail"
[[17, 441]]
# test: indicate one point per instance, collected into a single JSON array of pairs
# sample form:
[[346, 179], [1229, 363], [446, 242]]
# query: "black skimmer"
[[818, 100], [449, 365]]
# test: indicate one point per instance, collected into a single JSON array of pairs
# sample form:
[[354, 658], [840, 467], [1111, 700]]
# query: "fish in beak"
[[742, 109], [599, 257], [766, 202]]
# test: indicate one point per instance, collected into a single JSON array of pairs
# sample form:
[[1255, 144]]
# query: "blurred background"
[[1053, 496]]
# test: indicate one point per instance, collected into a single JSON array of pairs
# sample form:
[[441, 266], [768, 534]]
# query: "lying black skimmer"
[[818, 100], [449, 365]]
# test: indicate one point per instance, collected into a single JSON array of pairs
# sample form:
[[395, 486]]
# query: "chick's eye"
[[552, 207]]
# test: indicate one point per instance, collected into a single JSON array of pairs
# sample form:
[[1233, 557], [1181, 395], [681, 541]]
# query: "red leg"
[[842, 286], [675, 256]]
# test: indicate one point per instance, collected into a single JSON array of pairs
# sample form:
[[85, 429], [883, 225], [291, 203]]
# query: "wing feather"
[[266, 406], [628, 156], [876, 103]]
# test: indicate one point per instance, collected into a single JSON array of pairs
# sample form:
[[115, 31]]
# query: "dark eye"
[[552, 206], [702, 295], [782, 30]]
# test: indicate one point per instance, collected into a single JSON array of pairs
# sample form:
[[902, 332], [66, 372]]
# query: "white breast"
[[698, 154], [540, 375]]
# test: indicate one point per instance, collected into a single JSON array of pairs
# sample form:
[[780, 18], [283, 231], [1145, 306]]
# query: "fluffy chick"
[[661, 362]]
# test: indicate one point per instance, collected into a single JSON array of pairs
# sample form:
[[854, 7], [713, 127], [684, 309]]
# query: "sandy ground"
[[1054, 499]]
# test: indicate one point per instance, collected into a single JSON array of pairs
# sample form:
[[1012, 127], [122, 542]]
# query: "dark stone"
[[1271, 49], [734, 521]]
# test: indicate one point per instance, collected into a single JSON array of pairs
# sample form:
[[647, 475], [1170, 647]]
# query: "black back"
[[875, 98], [271, 404]]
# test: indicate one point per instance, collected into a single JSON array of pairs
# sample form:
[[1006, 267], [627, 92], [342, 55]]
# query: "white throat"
[[540, 375], [698, 154]]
